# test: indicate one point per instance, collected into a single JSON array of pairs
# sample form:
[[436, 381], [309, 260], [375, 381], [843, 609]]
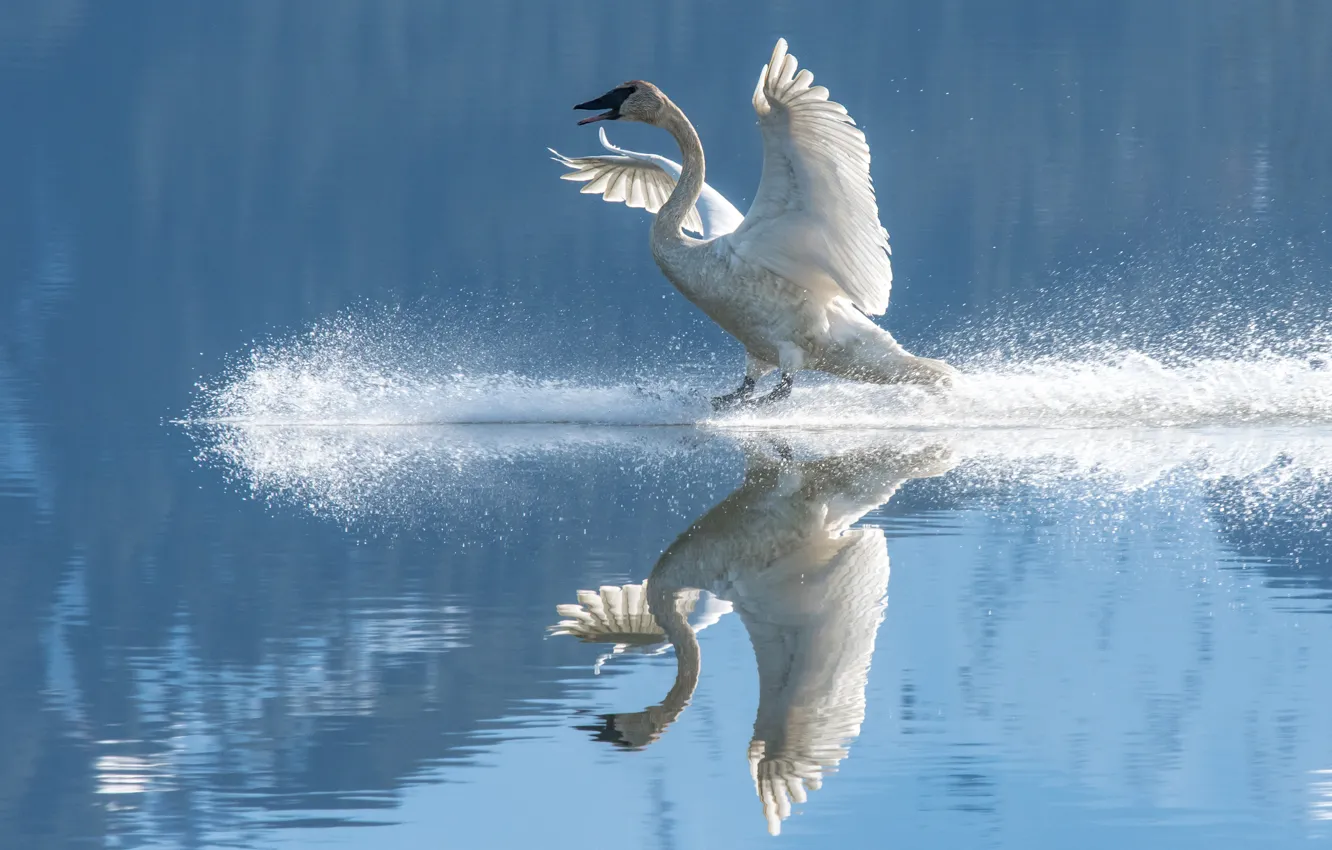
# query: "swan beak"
[[605, 116], [611, 101]]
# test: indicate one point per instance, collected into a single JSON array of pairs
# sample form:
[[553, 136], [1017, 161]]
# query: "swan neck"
[[667, 605], [671, 216]]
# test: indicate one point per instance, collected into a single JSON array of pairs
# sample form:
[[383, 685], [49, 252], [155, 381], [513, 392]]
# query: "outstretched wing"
[[645, 181], [812, 619], [814, 220]]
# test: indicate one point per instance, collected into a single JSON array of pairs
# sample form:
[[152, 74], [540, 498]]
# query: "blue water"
[[338, 437]]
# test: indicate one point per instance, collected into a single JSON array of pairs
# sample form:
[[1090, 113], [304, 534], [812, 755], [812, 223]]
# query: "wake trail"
[[350, 425], [1117, 390]]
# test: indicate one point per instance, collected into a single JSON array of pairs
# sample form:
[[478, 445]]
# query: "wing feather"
[[645, 181], [814, 220]]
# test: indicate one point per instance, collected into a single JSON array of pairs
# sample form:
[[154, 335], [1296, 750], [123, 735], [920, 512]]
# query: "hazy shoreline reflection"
[[810, 588]]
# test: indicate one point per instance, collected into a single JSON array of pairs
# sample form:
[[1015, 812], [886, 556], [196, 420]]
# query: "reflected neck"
[[667, 606]]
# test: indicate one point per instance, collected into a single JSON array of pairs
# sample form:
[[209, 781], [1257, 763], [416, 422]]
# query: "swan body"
[[797, 279], [810, 588]]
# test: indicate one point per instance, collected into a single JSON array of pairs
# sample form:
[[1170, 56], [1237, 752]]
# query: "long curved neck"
[[666, 605], [690, 185]]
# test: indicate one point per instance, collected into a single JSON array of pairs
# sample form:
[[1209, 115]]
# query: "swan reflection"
[[810, 588]]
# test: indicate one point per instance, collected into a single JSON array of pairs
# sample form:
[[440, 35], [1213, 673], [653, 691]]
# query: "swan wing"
[[645, 181], [719, 216], [620, 614], [814, 220], [812, 624]]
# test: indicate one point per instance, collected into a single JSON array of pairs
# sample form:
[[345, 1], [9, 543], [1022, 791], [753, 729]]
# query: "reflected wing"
[[610, 615], [814, 220], [813, 636], [621, 615], [645, 181]]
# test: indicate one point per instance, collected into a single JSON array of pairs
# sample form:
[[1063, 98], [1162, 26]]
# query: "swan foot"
[[783, 390], [737, 396]]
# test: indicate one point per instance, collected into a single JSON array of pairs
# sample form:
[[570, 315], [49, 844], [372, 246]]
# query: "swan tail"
[[900, 369], [922, 370], [866, 352]]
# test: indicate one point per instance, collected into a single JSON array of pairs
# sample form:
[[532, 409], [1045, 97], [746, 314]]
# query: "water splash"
[[343, 376], [354, 420]]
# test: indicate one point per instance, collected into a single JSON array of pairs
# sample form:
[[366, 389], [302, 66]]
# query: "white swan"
[[810, 590], [798, 277]]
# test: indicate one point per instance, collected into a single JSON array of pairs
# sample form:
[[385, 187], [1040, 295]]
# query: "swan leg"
[[755, 369], [792, 360]]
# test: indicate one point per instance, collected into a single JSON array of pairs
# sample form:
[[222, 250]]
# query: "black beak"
[[607, 732], [611, 101]]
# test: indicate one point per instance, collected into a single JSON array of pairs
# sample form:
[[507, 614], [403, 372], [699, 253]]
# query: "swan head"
[[635, 100]]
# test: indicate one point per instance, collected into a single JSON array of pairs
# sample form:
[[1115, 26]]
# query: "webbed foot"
[[782, 391], [738, 396]]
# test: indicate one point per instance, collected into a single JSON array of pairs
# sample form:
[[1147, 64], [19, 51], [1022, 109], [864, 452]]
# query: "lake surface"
[[358, 484]]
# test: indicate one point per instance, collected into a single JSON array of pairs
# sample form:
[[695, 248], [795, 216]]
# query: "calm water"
[[262, 586]]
